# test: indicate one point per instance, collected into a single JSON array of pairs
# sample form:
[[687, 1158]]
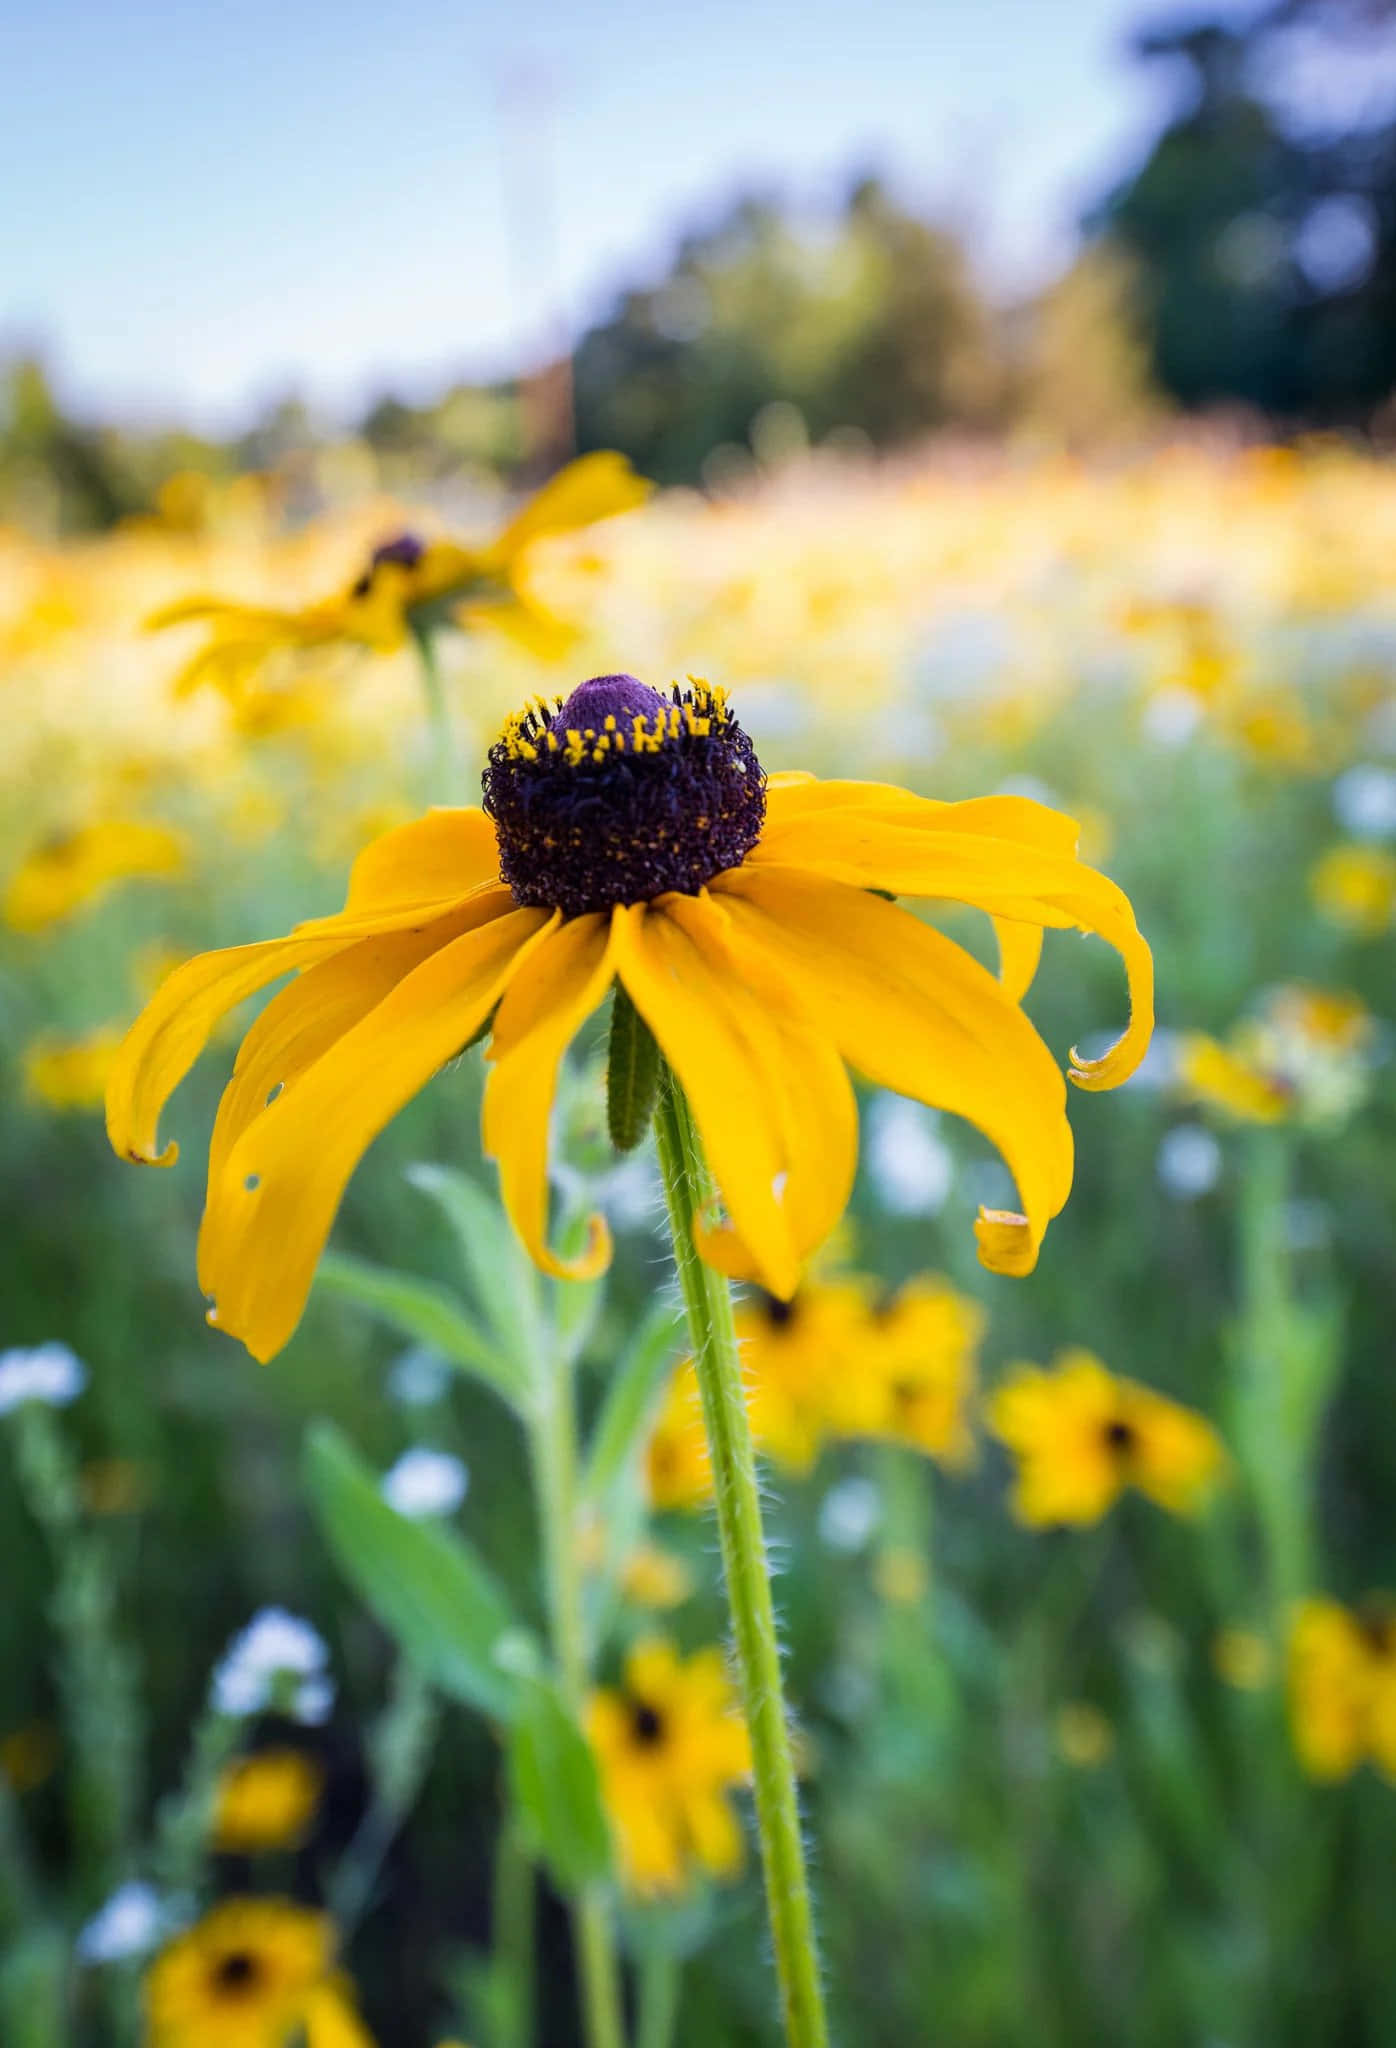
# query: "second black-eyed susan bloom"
[[248, 1975], [1081, 1436], [632, 838]]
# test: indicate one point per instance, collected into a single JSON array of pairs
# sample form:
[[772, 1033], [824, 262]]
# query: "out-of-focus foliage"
[[869, 322], [1263, 222]]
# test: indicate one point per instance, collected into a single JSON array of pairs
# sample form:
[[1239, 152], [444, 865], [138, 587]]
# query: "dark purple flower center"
[[405, 549], [1121, 1438], [646, 1724], [236, 1971], [620, 794]]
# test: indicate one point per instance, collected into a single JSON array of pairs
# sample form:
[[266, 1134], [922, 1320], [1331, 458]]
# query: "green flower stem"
[[659, 2000], [446, 778], [708, 1300], [554, 1450], [512, 1942]]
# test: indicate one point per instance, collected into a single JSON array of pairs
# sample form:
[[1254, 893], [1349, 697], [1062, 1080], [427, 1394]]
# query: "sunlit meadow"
[[1080, 1576]]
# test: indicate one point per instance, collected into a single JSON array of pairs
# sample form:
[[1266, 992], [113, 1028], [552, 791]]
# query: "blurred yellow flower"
[[671, 1744], [900, 1576], [1242, 1658], [266, 1801], [751, 936], [1305, 1055], [1210, 1072], [404, 578], [651, 1577], [1080, 1436], [242, 1977], [838, 1360], [1355, 887], [1342, 1687], [71, 870], [911, 1373], [71, 1073], [1084, 1736], [332, 2018]]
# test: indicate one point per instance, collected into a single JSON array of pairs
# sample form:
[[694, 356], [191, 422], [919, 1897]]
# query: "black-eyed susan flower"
[[1304, 1057], [671, 1745], [406, 576], [71, 870], [631, 838], [266, 1801], [912, 1376], [1080, 1436], [1342, 1687], [242, 1977]]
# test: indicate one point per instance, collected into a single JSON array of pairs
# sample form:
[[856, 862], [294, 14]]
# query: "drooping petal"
[[1007, 855], [916, 1014], [273, 1203], [174, 1027], [725, 1040], [594, 487], [805, 1084], [801, 809], [549, 999], [1020, 950], [323, 1002]]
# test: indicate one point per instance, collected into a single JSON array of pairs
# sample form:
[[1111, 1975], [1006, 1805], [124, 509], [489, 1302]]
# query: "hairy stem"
[[708, 1300]]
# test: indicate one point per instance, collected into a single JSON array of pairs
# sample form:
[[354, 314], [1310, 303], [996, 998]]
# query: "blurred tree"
[[1085, 375], [872, 324], [1263, 222]]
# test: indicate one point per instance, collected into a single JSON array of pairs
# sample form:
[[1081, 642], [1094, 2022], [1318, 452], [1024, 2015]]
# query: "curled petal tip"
[[1005, 1241], [1113, 1066], [594, 1257]]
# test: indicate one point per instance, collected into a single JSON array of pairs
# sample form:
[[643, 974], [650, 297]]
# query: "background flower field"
[[1055, 1777]]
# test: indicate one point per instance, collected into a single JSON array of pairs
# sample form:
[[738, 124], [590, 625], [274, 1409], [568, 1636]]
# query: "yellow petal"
[[549, 1000], [807, 806], [332, 2020], [272, 1205], [594, 487], [916, 1014], [715, 1036], [434, 859], [173, 1029], [320, 1005], [1020, 949], [805, 1085], [1008, 856]]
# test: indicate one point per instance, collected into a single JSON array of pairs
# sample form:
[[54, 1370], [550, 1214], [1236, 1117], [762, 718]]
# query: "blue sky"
[[218, 202]]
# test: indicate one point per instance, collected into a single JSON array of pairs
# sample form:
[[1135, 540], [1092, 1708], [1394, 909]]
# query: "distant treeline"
[[1249, 263]]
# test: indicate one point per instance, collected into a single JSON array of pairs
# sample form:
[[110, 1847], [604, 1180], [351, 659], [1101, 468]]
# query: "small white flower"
[[50, 1373], [130, 1924], [910, 1163], [424, 1482], [1172, 716], [278, 1660], [418, 1378], [849, 1514], [1364, 801], [1189, 1161]]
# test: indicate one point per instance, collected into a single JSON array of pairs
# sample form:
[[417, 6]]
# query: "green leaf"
[[632, 1074], [502, 1277], [422, 1582], [556, 1790], [424, 1311], [631, 1397]]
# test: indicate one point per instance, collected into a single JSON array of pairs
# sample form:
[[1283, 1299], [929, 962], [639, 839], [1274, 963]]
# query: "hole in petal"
[[274, 1093], [252, 1183]]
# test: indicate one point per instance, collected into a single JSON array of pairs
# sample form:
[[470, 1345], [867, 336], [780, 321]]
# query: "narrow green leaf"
[[556, 1790], [422, 1582], [424, 1311], [631, 1397], [502, 1277], [632, 1074]]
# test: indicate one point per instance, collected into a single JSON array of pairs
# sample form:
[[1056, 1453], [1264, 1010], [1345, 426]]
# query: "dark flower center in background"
[[1121, 1438], [404, 548], [237, 1971], [646, 1726], [779, 1314], [621, 794]]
